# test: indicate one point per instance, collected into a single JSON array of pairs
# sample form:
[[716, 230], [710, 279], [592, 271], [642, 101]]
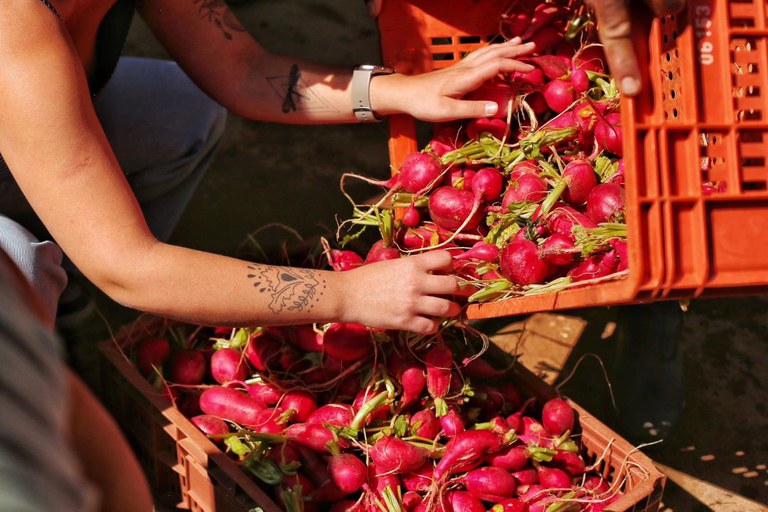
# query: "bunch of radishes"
[[343, 417], [533, 196]]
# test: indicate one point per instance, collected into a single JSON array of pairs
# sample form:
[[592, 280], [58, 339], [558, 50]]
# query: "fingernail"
[[516, 39], [629, 85], [491, 108]]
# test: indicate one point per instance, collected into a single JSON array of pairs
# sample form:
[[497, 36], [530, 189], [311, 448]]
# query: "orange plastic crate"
[[703, 116], [188, 472]]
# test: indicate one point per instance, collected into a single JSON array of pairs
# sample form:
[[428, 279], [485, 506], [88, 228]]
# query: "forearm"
[[209, 289]]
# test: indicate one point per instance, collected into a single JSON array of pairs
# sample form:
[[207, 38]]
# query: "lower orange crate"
[[187, 471]]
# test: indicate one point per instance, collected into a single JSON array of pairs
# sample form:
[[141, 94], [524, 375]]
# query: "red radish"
[[580, 80], [527, 188], [510, 505], [411, 216], [451, 207], [544, 14], [553, 478], [608, 134], [347, 342], [313, 465], [524, 167], [546, 38], [487, 184], [292, 360], [446, 138], [499, 92], [439, 364], [210, 425], [425, 424], [606, 203], [367, 398], [533, 427], [482, 251], [342, 260], [590, 58], [553, 66], [392, 454], [152, 353], [416, 173], [269, 421], [536, 101], [622, 252], [302, 403], [230, 404], [452, 423], [569, 462], [426, 235], [596, 483], [332, 414], [595, 266], [285, 455], [580, 179], [527, 476], [413, 380], [534, 79], [515, 24], [420, 479], [411, 500], [511, 395], [515, 422], [304, 337], [460, 178], [380, 252], [462, 501], [187, 367], [490, 400], [496, 127], [265, 393], [520, 263], [479, 368], [379, 480], [227, 365], [558, 249], [559, 94], [465, 451], [262, 351], [513, 458], [562, 219], [557, 416], [490, 483], [313, 436], [348, 472]]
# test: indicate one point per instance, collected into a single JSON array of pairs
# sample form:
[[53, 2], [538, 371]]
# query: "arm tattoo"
[[217, 12], [293, 80], [289, 289], [295, 93]]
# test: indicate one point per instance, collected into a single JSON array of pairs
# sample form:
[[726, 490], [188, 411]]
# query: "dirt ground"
[[262, 168]]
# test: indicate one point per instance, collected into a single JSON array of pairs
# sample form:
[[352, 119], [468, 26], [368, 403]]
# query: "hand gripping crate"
[[702, 117], [188, 471]]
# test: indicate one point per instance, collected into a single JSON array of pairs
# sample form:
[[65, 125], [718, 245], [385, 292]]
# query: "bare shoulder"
[[29, 24]]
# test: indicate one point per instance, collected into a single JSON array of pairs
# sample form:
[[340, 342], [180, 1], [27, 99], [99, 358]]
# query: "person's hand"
[[410, 293], [615, 29], [437, 96], [374, 7]]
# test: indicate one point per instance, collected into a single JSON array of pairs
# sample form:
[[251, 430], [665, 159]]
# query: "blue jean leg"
[[164, 132]]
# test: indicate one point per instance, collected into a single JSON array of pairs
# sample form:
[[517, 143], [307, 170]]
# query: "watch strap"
[[360, 90]]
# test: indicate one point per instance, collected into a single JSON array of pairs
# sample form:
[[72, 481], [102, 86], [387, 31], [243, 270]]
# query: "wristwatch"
[[361, 81]]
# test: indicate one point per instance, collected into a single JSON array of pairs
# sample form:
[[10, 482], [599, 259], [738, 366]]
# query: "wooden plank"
[[714, 497], [543, 342]]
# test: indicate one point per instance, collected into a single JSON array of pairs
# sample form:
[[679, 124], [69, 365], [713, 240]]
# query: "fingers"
[[615, 29], [374, 7]]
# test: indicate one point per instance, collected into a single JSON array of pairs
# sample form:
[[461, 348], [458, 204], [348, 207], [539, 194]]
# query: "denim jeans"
[[164, 132]]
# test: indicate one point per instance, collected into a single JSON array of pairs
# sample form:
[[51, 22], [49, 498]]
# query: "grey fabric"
[[38, 469]]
